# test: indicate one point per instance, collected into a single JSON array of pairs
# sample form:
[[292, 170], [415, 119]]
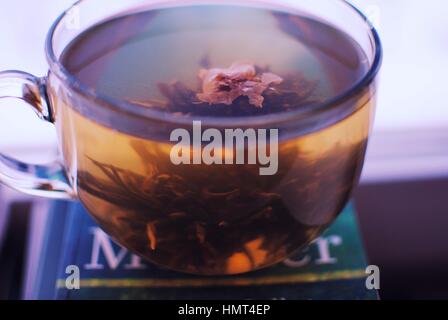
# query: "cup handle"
[[42, 180]]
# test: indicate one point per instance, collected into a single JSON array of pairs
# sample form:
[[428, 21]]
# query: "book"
[[332, 267]]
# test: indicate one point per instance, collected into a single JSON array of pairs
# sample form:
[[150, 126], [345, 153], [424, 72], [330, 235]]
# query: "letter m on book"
[[102, 246]]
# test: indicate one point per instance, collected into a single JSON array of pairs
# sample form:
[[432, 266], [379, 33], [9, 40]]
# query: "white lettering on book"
[[102, 243], [102, 246], [324, 245]]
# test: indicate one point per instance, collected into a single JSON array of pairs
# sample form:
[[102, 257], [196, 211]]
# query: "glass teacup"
[[204, 218]]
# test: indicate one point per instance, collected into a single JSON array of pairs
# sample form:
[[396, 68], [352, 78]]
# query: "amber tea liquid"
[[212, 219]]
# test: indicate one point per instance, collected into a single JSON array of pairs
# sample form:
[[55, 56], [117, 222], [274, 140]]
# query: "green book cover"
[[333, 267]]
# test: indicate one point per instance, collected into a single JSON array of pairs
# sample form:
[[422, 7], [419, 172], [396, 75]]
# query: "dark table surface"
[[405, 230]]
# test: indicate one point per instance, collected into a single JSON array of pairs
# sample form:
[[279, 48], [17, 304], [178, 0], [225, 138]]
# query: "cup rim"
[[140, 111]]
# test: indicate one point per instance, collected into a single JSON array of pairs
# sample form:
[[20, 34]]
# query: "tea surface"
[[130, 58]]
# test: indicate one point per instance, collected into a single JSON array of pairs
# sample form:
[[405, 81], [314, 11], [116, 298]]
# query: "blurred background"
[[403, 197]]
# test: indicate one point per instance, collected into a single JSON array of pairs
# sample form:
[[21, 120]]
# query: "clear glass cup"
[[115, 159]]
